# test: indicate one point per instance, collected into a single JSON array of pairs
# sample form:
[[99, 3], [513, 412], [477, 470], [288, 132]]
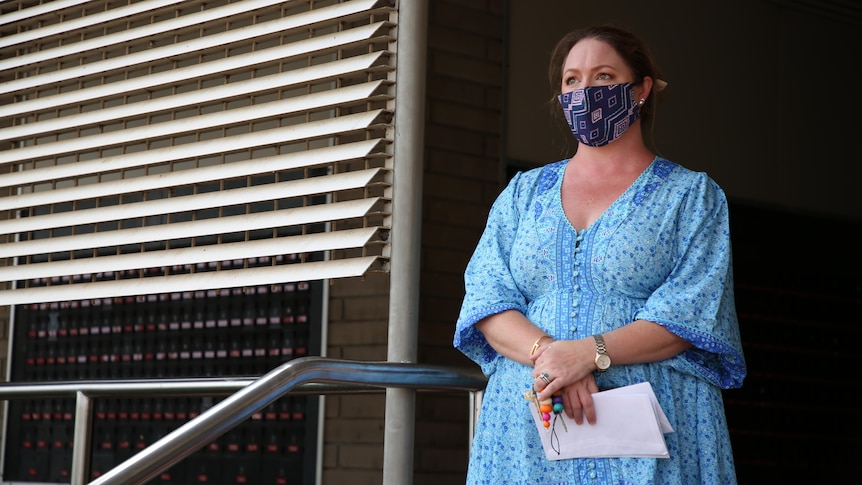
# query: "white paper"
[[629, 423]]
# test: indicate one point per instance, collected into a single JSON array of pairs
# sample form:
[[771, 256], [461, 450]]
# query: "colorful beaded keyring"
[[546, 408]]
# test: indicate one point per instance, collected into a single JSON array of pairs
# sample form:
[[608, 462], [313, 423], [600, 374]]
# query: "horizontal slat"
[[166, 52], [58, 136], [197, 71], [255, 166], [38, 10], [247, 222], [271, 275], [314, 101], [308, 243], [68, 25], [209, 200], [113, 14], [285, 24], [143, 183], [287, 134], [282, 80]]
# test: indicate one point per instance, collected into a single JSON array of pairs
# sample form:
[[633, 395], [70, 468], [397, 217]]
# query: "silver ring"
[[545, 377]]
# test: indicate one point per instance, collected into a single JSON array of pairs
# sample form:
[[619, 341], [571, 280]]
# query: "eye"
[[604, 77], [570, 80]]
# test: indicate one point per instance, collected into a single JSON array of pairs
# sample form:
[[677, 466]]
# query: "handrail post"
[[82, 439], [398, 441], [475, 407]]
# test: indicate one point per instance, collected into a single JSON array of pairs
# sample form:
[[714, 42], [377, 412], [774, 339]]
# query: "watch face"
[[603, 361]]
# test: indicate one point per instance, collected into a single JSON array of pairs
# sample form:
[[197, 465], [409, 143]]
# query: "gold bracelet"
[[536, 344]]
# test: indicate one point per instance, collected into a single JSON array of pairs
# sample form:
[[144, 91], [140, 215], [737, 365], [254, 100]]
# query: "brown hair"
[[633, 51]]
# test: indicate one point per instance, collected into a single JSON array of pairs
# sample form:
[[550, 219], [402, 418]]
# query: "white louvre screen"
[[164, 146]]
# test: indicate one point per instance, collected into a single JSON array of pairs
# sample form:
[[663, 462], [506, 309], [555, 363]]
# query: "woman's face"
[[592, 62]]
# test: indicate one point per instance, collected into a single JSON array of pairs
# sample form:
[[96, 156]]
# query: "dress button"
[[593, 475], [591, 465]]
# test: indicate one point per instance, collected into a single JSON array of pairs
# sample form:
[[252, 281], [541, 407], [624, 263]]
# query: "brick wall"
[[4, 345], [353, 434], [4, 310], [463, 174], [800, 322]]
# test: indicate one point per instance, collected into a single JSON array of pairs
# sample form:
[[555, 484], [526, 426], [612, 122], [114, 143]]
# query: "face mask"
[[599, 115]]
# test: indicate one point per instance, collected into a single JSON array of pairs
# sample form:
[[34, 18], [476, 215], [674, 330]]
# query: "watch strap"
[[603, 360], [600, 343]]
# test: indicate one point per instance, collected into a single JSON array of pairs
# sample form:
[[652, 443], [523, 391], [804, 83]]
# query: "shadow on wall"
[[744, 100], [799, 298]]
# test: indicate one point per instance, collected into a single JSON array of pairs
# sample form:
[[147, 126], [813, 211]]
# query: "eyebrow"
[[596, 68]]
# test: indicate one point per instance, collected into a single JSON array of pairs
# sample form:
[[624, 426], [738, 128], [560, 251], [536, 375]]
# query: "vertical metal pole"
[[475, 407], [82, 439], [406, 234]]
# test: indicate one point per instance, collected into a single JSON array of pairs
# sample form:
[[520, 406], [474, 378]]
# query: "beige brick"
[[362, 406], [443, 235], [448, 265], [494, 98], [461, 67], [438, 336], [443, 135], [470, 16], [492, 147], [462, 165], [359, 308], [457, 42], [352, 477], [442, 408], [441, 211], [358, 333], [365, 456], [330, 456], [334, 352], [458, 188], [441, 459], [332, 406], [481, 120], [354, 430], [366, 354], [443, 309], [436, 478], [370, 285], [336, 309], [456, 90]]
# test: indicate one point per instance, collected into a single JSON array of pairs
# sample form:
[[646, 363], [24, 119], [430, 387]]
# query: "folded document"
[[629, 423]]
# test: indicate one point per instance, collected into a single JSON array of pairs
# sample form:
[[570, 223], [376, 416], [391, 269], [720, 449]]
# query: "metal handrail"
[[306, 375]]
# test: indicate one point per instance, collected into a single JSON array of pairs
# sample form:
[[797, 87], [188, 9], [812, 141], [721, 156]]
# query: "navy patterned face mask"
[[599, 115]]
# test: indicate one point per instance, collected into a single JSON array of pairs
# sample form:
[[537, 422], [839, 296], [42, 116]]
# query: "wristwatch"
[[603, 360]]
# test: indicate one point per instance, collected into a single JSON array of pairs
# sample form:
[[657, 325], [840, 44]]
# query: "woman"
[[604, 270]]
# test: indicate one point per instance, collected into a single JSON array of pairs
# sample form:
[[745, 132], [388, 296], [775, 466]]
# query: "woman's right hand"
[[568, 366]]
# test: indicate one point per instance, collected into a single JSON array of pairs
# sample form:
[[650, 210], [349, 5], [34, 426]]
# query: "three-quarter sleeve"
[[489, 285], [696, 301]]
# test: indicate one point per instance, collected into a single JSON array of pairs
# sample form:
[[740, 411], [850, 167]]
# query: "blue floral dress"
[[661, 252]]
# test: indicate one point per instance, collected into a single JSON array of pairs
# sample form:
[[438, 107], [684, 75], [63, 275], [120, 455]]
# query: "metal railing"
[[246, 396]]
